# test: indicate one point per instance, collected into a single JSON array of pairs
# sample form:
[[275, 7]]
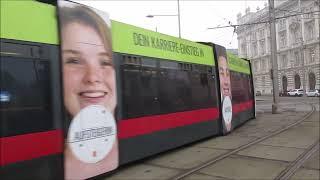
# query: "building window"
[[282, 24], [269, 63], [261, 34], [282, 39], [262, 47], [264, 65], [284, 61], [263, 81], [296, 58], [308, 13], [295, 32], [253, 36], [256, 66], [310, 30], [311, 54], [254, 49], [268, 45], [244, 49], [268, 31], [296, 36]]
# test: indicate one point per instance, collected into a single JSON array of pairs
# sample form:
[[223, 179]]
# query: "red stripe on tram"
[[30, 146], [236, 108], [149, 124]]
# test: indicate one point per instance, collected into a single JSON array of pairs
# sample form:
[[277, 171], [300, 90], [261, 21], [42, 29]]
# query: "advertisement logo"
[[227, 112], [92, 134]]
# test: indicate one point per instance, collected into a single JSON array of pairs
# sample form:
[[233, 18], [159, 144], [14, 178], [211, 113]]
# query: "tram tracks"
[[287, 173], [295, 165]]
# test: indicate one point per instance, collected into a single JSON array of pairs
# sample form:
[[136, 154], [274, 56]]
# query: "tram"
[[168, 92], [169, 96]]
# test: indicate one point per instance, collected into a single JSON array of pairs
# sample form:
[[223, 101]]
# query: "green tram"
[[168, 88], [169, 93]]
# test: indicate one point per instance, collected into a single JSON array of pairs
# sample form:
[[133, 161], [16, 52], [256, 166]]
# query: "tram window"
[[132, 104], [247, 87], [28, 85], [236, 87], [187, 67], [204, 79], [241, 87], [183, 92], [167, 88], [19, 50], [201, 92], [149, 88], [201, 69], [42, 70], [250, 87], [169, 65], [148, 62], [131, 60], [21, 77]]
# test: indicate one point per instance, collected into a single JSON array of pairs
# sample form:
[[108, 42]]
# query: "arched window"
[[312, 81], [284, 83]]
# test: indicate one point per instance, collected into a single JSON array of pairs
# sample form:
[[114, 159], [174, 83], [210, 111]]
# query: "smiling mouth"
[[92, 98], [93, 94]]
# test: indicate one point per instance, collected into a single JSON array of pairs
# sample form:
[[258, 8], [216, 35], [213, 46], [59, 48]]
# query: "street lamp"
[[178, 15], [151, 16]]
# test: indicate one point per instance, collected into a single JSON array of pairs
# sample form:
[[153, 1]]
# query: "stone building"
[[297, 34]]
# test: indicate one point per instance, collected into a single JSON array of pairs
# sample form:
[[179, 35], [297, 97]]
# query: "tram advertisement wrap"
[[225, 88], [242, 90], [90, 94], [135, 40]]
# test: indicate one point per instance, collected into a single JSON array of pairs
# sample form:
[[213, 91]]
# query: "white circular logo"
[[227, 112], [92, 133]]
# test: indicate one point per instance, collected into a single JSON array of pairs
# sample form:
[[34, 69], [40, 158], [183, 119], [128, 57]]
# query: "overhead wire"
[[288, 10], [262, 22]]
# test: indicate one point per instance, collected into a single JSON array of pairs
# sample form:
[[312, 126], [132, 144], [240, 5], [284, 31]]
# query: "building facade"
[[297, 35]]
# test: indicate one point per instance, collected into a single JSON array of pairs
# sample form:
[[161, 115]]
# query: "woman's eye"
[[106, 63], [72, 61]]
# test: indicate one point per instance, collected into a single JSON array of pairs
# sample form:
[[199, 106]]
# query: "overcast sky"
[[195, 16]]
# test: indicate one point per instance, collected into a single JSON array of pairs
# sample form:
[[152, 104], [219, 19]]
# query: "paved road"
[[264, 160], [264, 102]]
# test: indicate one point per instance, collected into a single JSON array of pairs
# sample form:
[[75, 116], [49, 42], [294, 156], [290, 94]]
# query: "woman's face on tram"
[[224, 74], [88, 71]]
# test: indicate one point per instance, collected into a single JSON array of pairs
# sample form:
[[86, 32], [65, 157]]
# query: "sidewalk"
[[283, 107]]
